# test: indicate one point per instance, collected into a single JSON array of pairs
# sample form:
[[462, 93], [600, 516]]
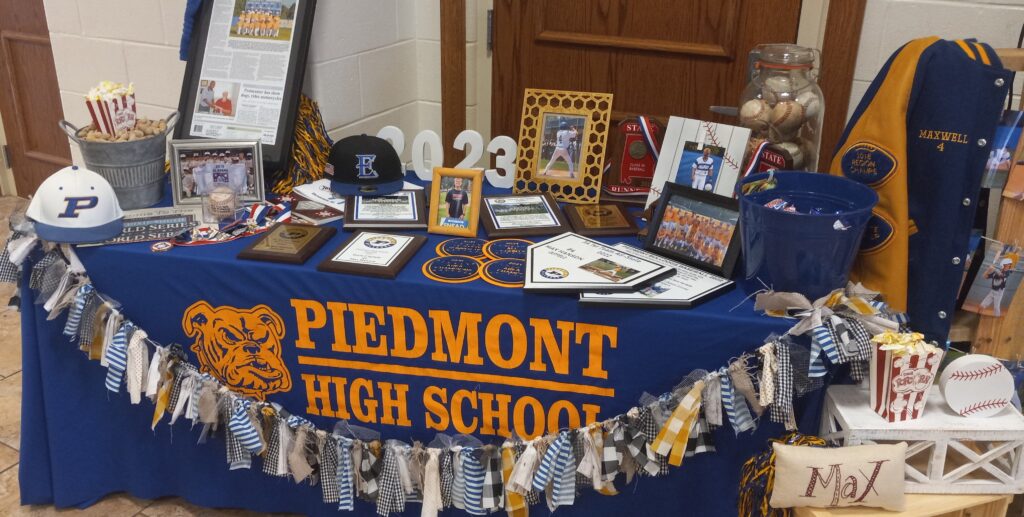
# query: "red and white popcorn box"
[[903, 367], [112, 107]]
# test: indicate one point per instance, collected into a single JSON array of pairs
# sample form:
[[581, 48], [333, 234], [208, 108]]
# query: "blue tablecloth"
[[80, 442]]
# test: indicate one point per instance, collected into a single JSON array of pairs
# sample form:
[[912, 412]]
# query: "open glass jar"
[[783, 103]]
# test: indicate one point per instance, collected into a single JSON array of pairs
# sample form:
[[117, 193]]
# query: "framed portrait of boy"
[[562, 141], [198, 167], [697, 228], [455, 201]]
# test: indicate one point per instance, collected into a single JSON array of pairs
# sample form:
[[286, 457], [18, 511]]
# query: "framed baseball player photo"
[[200, 166], [455, 201], [561, 144], [697, 228]]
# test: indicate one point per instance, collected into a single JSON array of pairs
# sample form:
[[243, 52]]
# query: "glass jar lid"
[[784, 55]]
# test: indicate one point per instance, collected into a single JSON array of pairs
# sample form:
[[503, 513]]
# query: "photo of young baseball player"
[[699, 166], [268, 20], [216, 98], [454, 208], [696, 230], [561, 141], [997, 280], [202, 171], [1004, 148]]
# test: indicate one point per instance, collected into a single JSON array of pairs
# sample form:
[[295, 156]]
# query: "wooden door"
[[658, 57], [29, 96]]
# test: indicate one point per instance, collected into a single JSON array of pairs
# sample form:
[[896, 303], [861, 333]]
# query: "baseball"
[[755, 114], [777, 88], [976, 385], [811, 103], [794, 151], [787, 116]]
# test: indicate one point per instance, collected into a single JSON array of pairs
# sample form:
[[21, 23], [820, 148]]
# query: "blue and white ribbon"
[[241, 425], [117, 357], [75, 315], [735, 407]]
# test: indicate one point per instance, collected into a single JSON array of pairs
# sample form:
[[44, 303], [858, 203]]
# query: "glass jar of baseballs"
[[783, 103]]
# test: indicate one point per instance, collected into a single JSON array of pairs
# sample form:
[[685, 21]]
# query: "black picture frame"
[[275, 157], [702, 200], [315, 237], [353, 223], [494, 230]]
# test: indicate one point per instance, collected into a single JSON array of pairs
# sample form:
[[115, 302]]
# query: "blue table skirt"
[[81, 442]]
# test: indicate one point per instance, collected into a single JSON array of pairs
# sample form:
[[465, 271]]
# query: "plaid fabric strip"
[[782, 409], [447, 477], [53, 275], [346, 483], [329, 469], [85, 329], [391, 497], [701, 440], [77, 311], [644, 430], [610, 457], [735, 407], [369, 470], [674, 434], [273, 454], [854, 344], [35, 279], [515, 504], [579, 440], [473, 474], [493, 485], [117, 357], [9, 273]]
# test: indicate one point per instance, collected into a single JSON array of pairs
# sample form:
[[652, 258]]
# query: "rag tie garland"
[[478, 478]]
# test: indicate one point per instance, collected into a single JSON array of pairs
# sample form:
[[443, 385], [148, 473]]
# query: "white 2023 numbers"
[[427, 148]]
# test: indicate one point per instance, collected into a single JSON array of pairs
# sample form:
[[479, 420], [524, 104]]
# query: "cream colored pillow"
[[861, 475]]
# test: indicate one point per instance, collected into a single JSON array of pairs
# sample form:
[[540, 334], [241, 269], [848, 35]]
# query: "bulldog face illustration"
[[241, 348]]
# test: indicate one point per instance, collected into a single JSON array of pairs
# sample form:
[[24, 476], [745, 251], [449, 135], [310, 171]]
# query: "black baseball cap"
[[364, 165]]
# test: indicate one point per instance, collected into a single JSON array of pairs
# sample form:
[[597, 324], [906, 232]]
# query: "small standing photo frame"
[[602, 219], [455, 201], [288, 243], [562, 142], [200, 167], [522, 215], [696, 228], [382, 255], [403, 210]]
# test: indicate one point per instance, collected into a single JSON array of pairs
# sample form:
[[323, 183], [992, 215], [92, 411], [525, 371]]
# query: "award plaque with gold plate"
[[601, 219], [288, 243]]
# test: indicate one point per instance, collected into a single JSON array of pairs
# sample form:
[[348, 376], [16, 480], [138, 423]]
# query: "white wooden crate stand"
[[946, 453]]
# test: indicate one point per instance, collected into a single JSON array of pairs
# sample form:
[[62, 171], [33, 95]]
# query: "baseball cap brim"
[[367, 189], [66, 235]]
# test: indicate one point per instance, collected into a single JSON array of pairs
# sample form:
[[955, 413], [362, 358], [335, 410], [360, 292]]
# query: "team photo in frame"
[[562, 141], [199, 166], [697, 228], [455, 201]]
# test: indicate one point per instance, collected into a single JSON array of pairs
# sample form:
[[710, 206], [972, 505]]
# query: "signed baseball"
[[976, 385], [787, 116], [811, 103], [755, 114]]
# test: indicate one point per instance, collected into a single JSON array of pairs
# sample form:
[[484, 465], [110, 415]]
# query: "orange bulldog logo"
[[241, 348]]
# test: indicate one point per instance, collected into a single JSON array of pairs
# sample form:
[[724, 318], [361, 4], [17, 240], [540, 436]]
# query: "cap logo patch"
[[365, 166], [74, 204]]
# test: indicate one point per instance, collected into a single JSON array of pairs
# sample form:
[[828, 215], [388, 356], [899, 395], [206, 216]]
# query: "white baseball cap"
[[75, 205], [1005, 262]]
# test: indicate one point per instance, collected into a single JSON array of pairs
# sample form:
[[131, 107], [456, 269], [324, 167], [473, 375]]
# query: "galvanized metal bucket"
[[135, 169]]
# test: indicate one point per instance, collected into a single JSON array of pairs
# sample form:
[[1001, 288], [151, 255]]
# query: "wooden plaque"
[[288, 243], [601, 219], [369, 253]]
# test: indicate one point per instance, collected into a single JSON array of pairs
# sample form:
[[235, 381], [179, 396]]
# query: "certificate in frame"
[[522, 215], [405, 210], [288, 243], [602, 219], [455, 201], [574, 263], [375, 254]]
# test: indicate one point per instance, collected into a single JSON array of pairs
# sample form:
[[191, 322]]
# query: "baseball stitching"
[[983, 406], [714, 141], [973, 375]]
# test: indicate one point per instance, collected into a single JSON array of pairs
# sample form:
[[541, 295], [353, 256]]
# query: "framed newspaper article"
[[244, 75]]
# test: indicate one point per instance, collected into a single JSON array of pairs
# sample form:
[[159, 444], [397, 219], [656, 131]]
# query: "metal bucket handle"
[[72, 131]]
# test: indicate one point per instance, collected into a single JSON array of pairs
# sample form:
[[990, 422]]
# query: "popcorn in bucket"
[[112, 107], [903, 367]]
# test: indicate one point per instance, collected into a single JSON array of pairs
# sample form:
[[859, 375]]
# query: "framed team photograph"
[[697, 228], [522, 215], [200, 166], [561, 144], [455, 201]]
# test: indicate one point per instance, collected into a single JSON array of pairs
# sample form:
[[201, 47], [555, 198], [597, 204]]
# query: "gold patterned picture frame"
[[562, 142]]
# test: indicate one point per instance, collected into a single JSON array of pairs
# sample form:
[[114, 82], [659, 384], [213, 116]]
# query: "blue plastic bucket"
[[800, 252]]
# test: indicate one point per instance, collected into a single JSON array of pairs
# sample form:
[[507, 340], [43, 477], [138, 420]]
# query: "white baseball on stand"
[[976, 385]]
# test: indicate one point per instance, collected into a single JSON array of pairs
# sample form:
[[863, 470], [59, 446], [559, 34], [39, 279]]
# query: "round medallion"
[[455, 269], [509, 272], [506, 249], [463, 246]]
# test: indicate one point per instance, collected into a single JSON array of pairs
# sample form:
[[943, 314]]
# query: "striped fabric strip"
[[346, 490], [821, 341], [242, 426], [458, 492], [735, 407], [674, 434], [563, 486], [117, 357], [473, 473], [75, 314]]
